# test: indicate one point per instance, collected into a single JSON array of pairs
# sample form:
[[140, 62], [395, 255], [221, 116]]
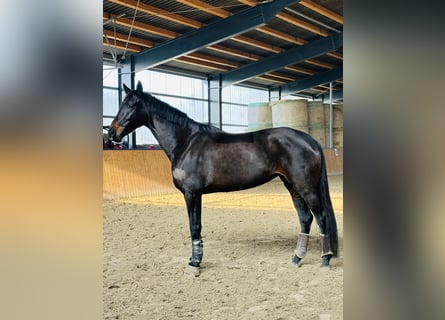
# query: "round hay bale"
[[337, 126], [317, 121], [259, 116], [290, 113]]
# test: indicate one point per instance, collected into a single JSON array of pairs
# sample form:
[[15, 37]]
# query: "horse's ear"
[[127, 89], [139, 87]]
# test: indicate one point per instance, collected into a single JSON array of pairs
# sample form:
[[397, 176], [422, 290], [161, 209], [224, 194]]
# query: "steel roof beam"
[[210, 34], [336, 95], [278, 61], [306, 83]]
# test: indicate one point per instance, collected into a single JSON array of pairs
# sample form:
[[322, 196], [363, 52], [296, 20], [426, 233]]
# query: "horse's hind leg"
[[305, 217], [313, 201]]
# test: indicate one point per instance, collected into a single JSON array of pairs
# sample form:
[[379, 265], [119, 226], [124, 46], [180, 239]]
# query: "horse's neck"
[[172, 136]]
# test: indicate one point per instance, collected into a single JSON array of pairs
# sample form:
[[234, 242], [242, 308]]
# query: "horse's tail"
[[328, 211]]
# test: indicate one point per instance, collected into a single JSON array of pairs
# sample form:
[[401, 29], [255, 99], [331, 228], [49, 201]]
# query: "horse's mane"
[[175, 116]]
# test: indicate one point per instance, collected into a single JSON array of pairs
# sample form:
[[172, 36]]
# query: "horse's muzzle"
[[115, 132], [112, 135]]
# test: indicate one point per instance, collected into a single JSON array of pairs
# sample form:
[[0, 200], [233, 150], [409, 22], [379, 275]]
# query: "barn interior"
[[286, 49]]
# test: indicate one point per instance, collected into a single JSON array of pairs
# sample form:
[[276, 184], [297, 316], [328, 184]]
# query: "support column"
[[127, 77], [275, 94], [331, 118], [127, 73], [215, 101]]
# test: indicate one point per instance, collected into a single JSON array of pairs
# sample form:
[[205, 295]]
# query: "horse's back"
[[293, 136], [267, 144], [288, 140]]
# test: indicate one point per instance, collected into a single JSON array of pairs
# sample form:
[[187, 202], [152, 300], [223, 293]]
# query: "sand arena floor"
[[247, 271]]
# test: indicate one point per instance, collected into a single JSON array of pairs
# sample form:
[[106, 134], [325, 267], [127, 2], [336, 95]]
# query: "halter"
[[107, 128]]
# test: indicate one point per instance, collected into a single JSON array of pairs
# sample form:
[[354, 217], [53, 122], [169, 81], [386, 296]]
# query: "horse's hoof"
[[297, 261], [192, 270], [325, 261]]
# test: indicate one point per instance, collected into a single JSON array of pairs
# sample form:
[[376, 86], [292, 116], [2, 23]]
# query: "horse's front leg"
[[193, 202]]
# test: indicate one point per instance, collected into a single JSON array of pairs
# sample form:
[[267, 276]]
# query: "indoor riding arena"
[[240, 66]]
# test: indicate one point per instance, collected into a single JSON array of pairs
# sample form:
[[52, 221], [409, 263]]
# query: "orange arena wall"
[[132, 173]]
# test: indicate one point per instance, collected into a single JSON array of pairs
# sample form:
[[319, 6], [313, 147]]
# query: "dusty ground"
[[249, 239]]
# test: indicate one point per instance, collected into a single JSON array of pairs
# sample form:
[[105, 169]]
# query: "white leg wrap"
[[301, 249], [325, 245]]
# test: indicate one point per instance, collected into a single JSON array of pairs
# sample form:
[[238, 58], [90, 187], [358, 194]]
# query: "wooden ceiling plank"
[[292, 20], [251, 3], [288, 37], [302, 24], [327, 87], [190, 22], [132, 4], [212, 10], [282, 76], [206, 8], [281, 35], [200, 63], [257, 44], [270, 78], [235, 52], [336, 55], [320, 63], [279, 61], [189, 60], [322, 10], [223, 62], [148, 29], [311, 82], [133, 40], [122, 45], [300, 70], [197, 4], [197, 24], [141, 26], [122, 38]]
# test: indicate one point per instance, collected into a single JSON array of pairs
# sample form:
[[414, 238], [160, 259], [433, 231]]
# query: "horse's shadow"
[[279, 249]]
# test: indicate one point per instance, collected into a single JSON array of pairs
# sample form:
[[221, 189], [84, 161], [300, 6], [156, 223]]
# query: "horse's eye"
[[133, 104]]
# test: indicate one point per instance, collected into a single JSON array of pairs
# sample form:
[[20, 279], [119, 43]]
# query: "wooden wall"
[[132, 173], [334, 160]]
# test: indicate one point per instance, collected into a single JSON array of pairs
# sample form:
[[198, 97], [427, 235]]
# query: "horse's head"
[[131, 115]]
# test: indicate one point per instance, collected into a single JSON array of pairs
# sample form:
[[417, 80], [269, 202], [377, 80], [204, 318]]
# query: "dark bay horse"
[[206, 159]]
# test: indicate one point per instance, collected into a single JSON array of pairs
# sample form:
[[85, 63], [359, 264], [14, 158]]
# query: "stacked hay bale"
[[317, 127], [311, 117], [337, 126], [259, 116], [290, 113]]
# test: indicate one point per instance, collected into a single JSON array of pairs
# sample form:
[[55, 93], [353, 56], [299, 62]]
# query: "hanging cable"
[[131, 29], [115, 41], [313, 20], [113, 55], [112, 52]]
